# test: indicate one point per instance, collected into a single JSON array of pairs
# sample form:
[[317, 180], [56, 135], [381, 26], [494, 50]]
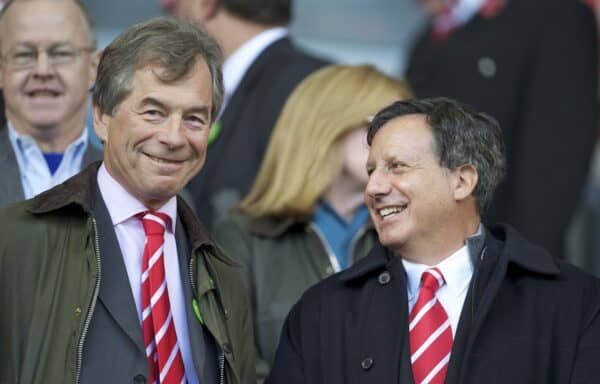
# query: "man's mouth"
[[390, 211], [43, 93], [163, 160]]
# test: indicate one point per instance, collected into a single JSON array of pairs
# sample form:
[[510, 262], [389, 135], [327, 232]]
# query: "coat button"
[[384, 278], [487, 67], [139, 379], [367, 363]]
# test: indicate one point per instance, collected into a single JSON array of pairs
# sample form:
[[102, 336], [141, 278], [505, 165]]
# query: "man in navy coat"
[[262, 67], [442, 298]]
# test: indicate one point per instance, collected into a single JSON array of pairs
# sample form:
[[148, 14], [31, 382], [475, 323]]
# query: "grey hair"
[[171, 44], [84, 11], [462, 136]]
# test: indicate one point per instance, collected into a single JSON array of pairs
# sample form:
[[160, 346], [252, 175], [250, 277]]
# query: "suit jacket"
[[115, 337], [232, 161], [527, 319], [11, 189], [533, 67]]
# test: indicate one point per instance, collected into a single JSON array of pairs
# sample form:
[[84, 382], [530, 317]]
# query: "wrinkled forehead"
[[44, 23]]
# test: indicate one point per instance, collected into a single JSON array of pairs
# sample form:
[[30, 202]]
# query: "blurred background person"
[[305, 217], [261, 68], [47, 67], [533, 66]]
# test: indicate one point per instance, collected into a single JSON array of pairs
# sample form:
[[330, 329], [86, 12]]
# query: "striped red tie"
[[430, 332], [160, 339]]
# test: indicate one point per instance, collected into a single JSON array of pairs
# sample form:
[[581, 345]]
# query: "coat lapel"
[[115, 292]]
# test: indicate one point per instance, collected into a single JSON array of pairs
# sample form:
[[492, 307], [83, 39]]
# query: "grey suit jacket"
[[11, 189], [114, 348]]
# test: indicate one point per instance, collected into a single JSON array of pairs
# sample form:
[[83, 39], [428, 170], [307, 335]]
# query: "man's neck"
[[232, 32], [450, 239]]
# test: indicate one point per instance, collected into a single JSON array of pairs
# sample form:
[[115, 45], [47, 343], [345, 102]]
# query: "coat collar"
[[378, 258], [502, 239], [79, 191], [271, 226]]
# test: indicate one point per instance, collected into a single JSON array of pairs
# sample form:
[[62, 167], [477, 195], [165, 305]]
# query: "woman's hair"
[[305, 152]]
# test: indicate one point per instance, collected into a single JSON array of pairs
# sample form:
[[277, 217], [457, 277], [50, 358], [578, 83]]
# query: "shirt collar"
[[457, 270], [21, 142], [128, 206], [238, 63], [460, 12]]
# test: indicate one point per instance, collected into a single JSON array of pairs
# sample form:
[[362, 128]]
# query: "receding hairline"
[[83, 12]]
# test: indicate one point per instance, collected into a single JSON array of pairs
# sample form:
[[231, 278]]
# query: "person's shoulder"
[[540, 263], [296, 59], [15, 214]]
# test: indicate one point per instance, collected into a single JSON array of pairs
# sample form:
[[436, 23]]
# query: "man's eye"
[[62, 54], [24, 55], [152, 113], [195, 120]]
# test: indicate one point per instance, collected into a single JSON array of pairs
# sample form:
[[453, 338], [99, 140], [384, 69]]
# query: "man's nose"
[[172, 133], [43, 67], [378, 184]]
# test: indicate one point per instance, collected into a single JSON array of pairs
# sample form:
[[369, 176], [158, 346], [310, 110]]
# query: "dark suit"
[[533, 67], [114, 338], [11, 188], [234, 158], [527, 319]]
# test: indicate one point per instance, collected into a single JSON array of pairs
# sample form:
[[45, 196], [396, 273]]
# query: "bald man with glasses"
[[47, 67]]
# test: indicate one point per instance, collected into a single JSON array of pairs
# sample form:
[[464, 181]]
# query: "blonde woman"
[[304, 218]]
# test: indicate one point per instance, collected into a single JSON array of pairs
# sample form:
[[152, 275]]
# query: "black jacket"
[[233, 159], [527, 319], [533, 67]]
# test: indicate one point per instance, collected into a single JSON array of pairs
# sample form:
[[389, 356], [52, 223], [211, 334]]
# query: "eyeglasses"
[[26, 58]]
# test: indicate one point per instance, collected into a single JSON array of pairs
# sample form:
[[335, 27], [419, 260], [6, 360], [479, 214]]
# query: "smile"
[[160, 160], [390, 211], [43, 93]]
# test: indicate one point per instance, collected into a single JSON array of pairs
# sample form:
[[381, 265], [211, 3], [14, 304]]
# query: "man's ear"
[[101, 123], [465, 181], [209, 8], [93, 68], [1, 76]]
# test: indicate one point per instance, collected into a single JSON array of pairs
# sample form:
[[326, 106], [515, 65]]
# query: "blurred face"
[[356, 152], [409, 195], [156, 141], [436, 6], [47, 65], [189, 10]]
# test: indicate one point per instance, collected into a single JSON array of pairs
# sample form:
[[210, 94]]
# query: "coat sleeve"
[[557, 124], [288, 367], [587, 369]]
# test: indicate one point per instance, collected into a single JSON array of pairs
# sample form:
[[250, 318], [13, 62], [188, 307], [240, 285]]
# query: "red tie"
[[430, 332], [160, 339]]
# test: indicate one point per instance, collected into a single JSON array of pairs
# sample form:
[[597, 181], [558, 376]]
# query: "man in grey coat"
[[48, 64]]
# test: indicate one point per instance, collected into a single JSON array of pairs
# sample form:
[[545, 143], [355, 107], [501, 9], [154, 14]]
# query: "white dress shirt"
[[122, 208], [33, 169], [236, 65], [457, 270], [461, 12]]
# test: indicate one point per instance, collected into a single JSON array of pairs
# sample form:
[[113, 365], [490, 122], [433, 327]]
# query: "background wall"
[[348, 31]]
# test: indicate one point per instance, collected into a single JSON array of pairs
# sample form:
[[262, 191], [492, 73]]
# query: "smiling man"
[[442, 298], [121, 281], [47, 65]]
